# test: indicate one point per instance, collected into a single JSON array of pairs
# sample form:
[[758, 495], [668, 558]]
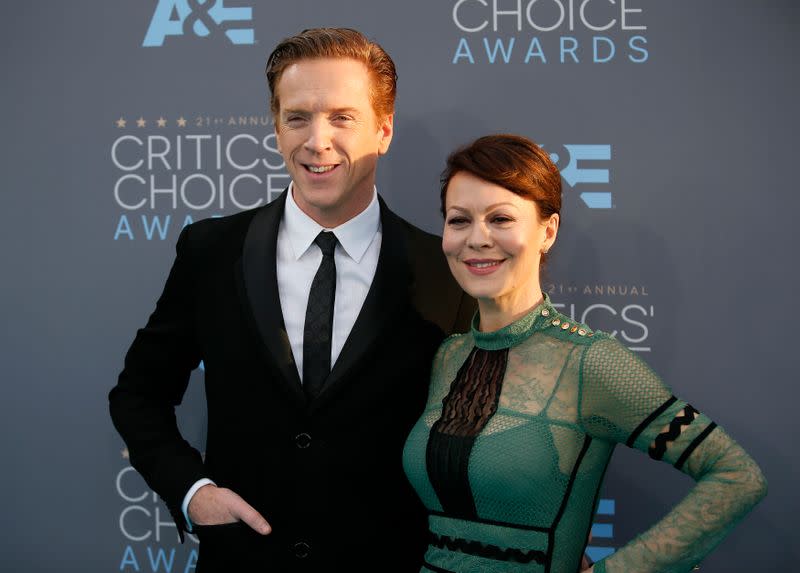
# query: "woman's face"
[[493, 240]]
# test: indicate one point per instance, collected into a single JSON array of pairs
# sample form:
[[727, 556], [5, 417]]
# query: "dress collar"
[[354, 236], [516, 332]]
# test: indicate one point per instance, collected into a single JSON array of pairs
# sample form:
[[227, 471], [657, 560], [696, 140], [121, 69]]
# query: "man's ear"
[[277, 137], [385, 133]]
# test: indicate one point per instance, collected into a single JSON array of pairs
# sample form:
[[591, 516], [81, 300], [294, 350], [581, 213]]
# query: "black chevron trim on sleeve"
[[696, 442], [649, 420], [672, 432]]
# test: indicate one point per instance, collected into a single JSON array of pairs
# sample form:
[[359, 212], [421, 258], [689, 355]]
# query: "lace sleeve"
[[623, 400]]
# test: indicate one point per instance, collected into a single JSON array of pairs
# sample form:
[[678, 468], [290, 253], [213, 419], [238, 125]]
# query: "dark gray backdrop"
[[697, 239]]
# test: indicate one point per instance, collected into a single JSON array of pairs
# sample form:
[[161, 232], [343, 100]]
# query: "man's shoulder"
[[215, 230], [423, 242], [436, 294], [420, 243]]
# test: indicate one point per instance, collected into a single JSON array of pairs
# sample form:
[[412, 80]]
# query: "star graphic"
[[125, 454], [161, 122], [121, 122], [181, 122], [141, 122]]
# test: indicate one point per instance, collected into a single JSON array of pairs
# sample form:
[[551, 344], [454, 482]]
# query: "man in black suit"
[[317, 317]]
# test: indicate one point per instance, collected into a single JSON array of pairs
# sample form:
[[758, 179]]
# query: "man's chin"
[[323, 207]]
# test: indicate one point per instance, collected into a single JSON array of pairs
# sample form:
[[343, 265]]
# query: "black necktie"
[[318, 329]]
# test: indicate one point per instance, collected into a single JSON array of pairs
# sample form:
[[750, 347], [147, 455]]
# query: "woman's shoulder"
[[558, 325], [456, 340]]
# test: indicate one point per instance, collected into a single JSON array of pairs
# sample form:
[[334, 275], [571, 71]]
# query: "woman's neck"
[[500, 312]]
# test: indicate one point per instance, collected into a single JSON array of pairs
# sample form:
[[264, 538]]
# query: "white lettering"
[[517, 13], [233, 140], [162, 155], [625, 12], [124, 529], [211, 187], [232, 190], [116, 161], [586, 23], [529, 15], [118, 198], [457, 20]]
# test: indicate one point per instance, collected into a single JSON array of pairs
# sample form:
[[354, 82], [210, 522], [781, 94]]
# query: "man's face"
[[330, 137]]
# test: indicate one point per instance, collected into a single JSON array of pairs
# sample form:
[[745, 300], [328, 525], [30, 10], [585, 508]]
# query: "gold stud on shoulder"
[[573, 329], [556, 322], [582, 332], [564, 326], [545, 312]]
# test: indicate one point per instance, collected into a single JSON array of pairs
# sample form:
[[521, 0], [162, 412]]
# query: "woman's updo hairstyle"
[[513, 162]]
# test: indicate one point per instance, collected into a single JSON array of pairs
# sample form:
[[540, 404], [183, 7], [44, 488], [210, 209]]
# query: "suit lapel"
[[258, 282], [389, 288]]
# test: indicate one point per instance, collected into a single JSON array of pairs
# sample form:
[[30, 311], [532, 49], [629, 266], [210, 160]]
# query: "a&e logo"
[[200, 17], [575, 174]]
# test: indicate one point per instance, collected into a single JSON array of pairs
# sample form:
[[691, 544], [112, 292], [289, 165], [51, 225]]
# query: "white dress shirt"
[[298, 258]]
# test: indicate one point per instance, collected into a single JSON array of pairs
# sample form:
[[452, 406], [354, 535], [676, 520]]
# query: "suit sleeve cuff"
[[188, 497]]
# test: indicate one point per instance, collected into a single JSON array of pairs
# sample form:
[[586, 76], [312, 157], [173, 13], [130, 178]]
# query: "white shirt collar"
[[354, 236]]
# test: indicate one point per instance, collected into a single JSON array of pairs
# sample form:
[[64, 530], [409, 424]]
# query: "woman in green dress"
[[525, 410]]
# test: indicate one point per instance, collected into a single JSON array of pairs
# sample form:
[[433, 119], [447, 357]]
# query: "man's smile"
[[317, 168]]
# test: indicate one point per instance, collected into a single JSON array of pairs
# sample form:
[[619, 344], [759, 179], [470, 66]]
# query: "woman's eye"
[[501, 219], [455, 221]]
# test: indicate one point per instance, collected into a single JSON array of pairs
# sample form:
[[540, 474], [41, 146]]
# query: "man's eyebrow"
[[306, 112], [350, 110]]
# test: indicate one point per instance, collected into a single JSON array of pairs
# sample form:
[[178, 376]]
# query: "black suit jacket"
[[327, 473]]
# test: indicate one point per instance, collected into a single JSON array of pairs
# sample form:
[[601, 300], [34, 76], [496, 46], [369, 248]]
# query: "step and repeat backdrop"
[[673, 124]]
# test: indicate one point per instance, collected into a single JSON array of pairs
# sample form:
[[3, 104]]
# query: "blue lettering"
[[607, 507], [633, 43], [123, 228], [176, 17], [221, 14], [165, 23], [463, 51], [160, 557], [611, 49], [571, 50], [598, 553], [498, 45], [191, 563], [156, 225], [535, 51], [603, 530], [187, 221], [129, 559], [574, 175], [597, 199]]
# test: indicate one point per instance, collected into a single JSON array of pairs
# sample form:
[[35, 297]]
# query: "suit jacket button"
[[301, 549], [302, 441]]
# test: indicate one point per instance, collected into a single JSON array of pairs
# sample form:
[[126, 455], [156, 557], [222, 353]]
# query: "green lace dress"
[[519, 428]]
